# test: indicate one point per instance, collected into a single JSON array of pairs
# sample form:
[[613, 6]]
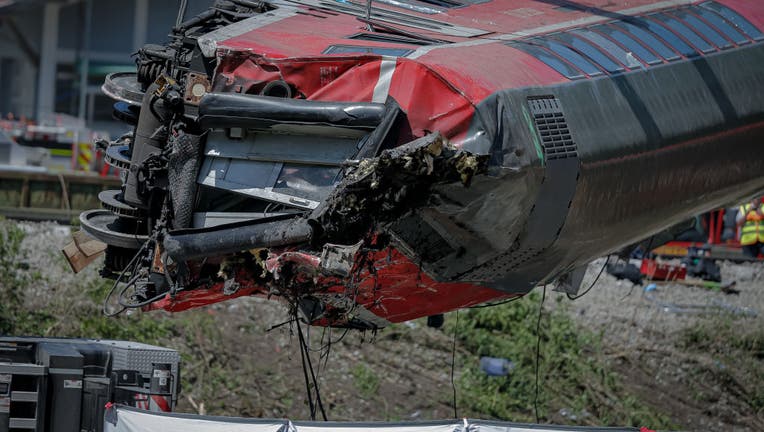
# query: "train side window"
[[672, 39], [648, 39], [610, 47], [583, 46], [686, 32], [717, 21], [630, 43], [701, 27], [571, 56], [551, 60], [736, 19]]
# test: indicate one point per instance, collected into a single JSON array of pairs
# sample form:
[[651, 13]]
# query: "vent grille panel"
[[552, 128]]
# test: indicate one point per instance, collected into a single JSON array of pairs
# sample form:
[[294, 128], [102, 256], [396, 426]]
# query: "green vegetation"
[[366, 380], [13, 281], [574, 376], [231, 366]]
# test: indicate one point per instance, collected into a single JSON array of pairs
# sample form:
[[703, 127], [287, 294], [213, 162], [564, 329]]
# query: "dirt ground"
[[403, 373], [643, 332]]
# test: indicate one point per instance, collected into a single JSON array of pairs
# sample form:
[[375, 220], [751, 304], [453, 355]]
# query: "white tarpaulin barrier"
[[128, 419]]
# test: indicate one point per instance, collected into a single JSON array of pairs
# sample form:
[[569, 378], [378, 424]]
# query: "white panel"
[[133, 421]]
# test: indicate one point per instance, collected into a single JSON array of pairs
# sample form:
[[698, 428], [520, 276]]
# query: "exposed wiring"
[[538, 354], [307, 379], [306, 361], [453, 363], [139, 304], [576, 297], [274, 327], [485, 305], [119, 278]]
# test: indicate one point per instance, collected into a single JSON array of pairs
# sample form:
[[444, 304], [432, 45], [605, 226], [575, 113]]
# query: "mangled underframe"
[[228, 194]]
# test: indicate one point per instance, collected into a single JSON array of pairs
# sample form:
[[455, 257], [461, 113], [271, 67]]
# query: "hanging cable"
[[576, 297], [119, 278], [305, 355], [498, 303], [453, 363], [538, 354], [307, 383]]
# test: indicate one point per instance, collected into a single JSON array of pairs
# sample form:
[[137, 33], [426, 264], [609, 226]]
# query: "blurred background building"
[[55, 54]]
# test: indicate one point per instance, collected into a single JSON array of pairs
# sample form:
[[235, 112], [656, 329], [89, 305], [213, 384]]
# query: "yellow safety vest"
[[753, 230]]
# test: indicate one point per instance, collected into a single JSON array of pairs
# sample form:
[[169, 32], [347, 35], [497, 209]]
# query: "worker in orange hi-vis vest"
[[750, 222]]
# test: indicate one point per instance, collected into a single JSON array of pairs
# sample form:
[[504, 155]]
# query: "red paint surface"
[[389, 285]]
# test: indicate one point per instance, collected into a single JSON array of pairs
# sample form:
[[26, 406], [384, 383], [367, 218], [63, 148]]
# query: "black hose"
[[231, 238]]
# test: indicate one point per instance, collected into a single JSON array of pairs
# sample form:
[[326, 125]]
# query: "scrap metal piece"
[[230, 286], [339, 259], [381, 189], [197, 85]]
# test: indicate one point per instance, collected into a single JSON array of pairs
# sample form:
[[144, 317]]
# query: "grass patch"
[[576, 384], [729, 352], [365, 380]]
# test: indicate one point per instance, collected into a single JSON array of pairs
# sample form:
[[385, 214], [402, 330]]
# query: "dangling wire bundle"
[[309, 374], [132, 265]]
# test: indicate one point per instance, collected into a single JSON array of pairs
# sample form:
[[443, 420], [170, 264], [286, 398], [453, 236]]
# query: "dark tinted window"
[[735, 18], [610, 47], [701, 27], [686, 32], [550, 59], [388, 38], [630, 43], [582, 46], [571, 56], [350, 49], [722, 24], [648, 39], [670, 37]]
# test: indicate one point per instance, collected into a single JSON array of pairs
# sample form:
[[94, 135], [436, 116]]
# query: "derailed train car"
[[377, 162]]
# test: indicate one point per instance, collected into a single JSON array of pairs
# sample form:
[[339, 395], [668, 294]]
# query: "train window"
[[635, 48], [684, 31], [551, 60], [571, 56], [353, 49], [670, 37], [648, 39], [610, 47], [583, 46], [736, 19], [720, 23], [701, 27]]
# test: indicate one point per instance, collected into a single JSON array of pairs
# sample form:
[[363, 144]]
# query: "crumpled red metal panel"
[[430, 102], [399, 290], [386, 283]]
